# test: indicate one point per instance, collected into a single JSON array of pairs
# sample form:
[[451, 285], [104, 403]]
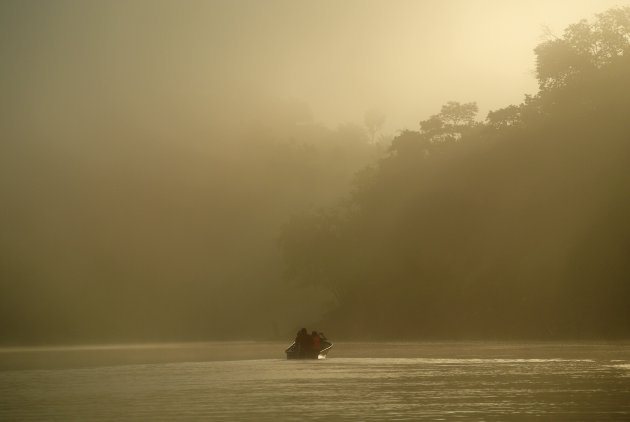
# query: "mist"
[[234, 170]]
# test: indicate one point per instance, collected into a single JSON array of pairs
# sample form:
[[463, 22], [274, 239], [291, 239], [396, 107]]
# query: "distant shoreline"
[[89, 356]]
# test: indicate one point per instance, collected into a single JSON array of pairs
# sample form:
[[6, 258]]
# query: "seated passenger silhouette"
[[303, 342], [317, 343]]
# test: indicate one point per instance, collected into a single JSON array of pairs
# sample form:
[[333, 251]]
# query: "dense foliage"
[[148, 221], [513, 227]]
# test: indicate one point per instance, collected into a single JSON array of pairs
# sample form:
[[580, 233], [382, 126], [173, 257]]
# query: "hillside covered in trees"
[[151, 191], [514, 227]]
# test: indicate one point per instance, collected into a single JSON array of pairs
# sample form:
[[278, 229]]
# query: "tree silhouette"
[[514, 227], [374, 120], [583, 47]]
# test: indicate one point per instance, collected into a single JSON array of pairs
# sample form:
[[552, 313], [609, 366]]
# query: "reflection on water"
[[339, 388]]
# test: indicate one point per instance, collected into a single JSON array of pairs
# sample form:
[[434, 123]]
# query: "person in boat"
[[303, 342], [317, 342]]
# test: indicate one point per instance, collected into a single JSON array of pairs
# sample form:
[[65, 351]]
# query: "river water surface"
[[358, 381]]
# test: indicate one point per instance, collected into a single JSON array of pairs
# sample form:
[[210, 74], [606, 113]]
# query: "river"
[[249, 381]]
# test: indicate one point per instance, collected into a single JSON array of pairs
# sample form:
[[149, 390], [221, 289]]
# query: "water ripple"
[[334, 389]]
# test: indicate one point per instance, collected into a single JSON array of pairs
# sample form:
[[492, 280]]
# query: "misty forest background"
[[512, 226]]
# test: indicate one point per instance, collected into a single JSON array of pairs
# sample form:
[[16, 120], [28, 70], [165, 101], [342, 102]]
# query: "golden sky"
[[67, 59]]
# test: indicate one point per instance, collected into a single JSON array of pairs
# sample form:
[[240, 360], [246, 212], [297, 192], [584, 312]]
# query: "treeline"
[[514, 227], [151, 221]]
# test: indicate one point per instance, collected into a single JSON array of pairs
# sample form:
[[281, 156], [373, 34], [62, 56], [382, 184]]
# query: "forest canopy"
[[513, 227]]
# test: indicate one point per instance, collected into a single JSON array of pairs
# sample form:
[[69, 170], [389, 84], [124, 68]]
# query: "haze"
[[185, 60], [182, 170]]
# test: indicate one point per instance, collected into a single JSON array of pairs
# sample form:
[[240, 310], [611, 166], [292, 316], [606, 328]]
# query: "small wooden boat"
[[294, 352]]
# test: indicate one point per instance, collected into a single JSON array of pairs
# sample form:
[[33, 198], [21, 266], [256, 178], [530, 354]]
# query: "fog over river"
[[441, 187]]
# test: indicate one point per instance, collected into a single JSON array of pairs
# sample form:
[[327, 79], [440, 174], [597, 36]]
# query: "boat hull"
[[293, 351]]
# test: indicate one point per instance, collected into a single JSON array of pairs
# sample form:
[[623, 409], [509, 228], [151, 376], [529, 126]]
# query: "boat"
[[293, 351]]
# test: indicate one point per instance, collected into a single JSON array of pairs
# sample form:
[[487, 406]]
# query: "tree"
[[583, 47], [504, 117], [455, 114], [451, 122], [374, 120]]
